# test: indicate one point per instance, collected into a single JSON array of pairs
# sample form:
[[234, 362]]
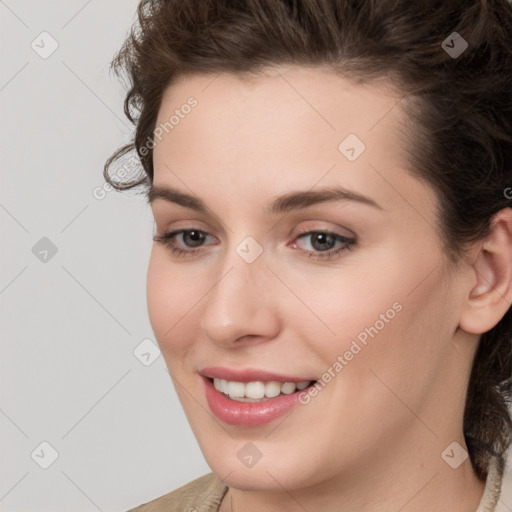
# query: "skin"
[[372, 439]]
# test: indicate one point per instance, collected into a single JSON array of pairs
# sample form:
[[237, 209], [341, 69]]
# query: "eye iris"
[[196, 236], [323, 239]]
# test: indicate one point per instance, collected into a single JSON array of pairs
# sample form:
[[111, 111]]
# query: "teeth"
[[258, 389], [272, 389], [288, 388], [255, 390], [236, 389]]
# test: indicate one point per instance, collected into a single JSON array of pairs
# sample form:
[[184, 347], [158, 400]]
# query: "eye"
[[321, 242], [190, 237], [324, 242]]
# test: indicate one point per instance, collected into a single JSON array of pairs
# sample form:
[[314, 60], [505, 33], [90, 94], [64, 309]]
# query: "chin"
[[270, 473]]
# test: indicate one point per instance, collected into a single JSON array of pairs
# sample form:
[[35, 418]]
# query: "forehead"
[[284, 111], [283, 95], [287, 128]]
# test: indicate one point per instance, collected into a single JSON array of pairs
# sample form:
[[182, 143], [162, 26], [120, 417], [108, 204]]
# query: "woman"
[[331, 277]]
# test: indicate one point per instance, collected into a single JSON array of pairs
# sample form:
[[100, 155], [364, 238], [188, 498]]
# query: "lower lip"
[[248, 414]]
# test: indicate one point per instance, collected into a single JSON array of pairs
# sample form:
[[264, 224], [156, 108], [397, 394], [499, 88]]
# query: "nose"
[[243, 304]]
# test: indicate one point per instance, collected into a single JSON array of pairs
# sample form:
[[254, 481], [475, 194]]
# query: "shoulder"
[[203, 494]]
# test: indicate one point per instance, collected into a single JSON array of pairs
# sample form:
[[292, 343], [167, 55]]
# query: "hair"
[[459, 107]]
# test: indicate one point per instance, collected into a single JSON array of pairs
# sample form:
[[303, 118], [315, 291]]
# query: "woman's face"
[[354, 292]]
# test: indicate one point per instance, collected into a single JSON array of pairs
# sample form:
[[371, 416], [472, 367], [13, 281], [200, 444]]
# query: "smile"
[[257, 390], [251, 398]]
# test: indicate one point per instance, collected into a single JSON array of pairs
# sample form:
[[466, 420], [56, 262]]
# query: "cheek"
[[392, 321], [401, 353], [342, 304], [171, 297], [156, 285]]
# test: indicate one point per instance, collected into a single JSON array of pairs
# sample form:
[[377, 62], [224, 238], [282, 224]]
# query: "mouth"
[[253, 403], [258, 391]]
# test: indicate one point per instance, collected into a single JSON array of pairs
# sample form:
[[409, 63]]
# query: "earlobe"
[[490, 295]]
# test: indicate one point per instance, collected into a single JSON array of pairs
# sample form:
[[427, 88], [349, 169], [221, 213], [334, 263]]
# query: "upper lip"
[[248, 375]]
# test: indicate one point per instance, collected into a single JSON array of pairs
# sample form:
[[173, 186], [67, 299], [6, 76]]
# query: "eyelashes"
[[323, 237]]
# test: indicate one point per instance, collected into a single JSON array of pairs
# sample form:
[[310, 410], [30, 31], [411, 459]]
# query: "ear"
[[490, 293]]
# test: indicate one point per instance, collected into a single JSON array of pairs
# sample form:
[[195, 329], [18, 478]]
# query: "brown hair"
[[459, 105]]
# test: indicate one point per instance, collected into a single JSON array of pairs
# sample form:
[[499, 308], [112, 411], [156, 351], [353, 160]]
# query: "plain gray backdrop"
[[89, 418]]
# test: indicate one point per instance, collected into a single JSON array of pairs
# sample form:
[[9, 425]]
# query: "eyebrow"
[[283, 204]]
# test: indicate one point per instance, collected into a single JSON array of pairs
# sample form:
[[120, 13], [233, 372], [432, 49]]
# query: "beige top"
[[205, 494]]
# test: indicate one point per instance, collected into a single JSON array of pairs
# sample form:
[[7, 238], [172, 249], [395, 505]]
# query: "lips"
[[248, 413], [251, 375]]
